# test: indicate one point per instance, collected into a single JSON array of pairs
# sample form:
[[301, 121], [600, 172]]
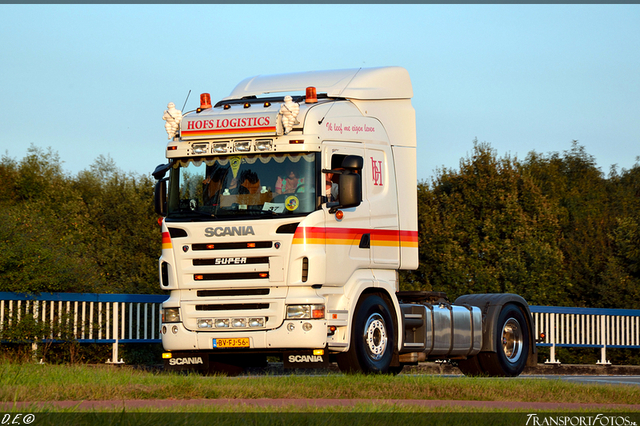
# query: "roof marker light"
[[311, 96], [205, 101], [247, 105], [227, 106]]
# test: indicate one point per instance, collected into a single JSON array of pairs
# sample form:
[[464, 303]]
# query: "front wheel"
[[512, 345], [372, 339]]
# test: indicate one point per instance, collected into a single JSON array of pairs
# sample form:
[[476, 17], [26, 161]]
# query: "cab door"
[[381, 194], [346, 240]]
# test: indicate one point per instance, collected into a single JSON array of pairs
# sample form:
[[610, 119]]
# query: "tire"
[[372, 339], [511, 345]]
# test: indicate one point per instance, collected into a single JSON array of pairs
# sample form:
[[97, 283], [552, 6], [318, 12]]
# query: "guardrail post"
[[603, 340], [552, 336], [114, 347], [34, 344]]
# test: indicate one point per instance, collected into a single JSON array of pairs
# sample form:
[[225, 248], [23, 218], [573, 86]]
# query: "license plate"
[[238, 342]]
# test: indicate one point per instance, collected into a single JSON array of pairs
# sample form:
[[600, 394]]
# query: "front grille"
[[232, 246], [225, 261], [177, 233], [233, 307], [232, 276], [236, 292]]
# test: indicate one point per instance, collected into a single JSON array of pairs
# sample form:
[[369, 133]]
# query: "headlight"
[[305, 311], [222, 322], [201, 148], [171, 315], [242, 146], [231, 322], [239, 322], [256, 322], [205, 323], [220, 148], [263, 144]]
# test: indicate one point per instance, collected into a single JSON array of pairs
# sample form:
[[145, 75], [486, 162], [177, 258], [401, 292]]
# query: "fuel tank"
[[440, 329]]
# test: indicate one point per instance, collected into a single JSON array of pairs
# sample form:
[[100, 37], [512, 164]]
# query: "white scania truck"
[[288, 209]]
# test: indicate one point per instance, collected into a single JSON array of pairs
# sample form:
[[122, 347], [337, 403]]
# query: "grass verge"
[[32, 382]]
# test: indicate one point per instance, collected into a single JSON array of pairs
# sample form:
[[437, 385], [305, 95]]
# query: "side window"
[[336, 161], [332, 180]]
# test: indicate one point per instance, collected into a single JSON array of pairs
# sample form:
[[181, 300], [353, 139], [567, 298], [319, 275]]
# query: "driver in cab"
[[289, 184]]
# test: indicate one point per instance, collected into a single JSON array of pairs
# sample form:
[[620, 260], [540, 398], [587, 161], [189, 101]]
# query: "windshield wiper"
[[269, 213], [196, 213]]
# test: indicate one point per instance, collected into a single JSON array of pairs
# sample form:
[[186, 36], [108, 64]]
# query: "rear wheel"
[[511, 345], [372, 339]]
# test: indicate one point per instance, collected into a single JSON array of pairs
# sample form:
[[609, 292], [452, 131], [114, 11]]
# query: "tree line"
[[95, 232], [552, 228]]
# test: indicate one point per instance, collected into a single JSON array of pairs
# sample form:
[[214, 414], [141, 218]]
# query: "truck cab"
[[288, 209]]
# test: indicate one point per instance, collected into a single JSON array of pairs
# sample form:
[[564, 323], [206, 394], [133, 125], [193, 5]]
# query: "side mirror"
[[353, 163], [160, 171], [350, 190], [349, 183], [160, 197]]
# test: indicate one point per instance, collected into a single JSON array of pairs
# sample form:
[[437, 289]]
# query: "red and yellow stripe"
[[408, 239], [218, 132], [166, 241], [352, 236]]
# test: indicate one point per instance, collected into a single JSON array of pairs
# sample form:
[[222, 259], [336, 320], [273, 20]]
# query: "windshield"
[[243, 185]]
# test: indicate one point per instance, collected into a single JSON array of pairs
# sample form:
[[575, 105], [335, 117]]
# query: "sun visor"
[[357, 83]]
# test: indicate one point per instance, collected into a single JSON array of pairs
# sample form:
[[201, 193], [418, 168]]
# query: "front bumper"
[[292, 334]]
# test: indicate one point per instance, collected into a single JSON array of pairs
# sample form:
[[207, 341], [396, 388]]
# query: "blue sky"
[[90, 80]]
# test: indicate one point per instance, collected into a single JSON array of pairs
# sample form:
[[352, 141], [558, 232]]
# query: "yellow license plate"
[[238, 342]]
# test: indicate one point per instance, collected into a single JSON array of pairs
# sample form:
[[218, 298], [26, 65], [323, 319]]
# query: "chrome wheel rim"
[[512, 340], [375, 336]]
